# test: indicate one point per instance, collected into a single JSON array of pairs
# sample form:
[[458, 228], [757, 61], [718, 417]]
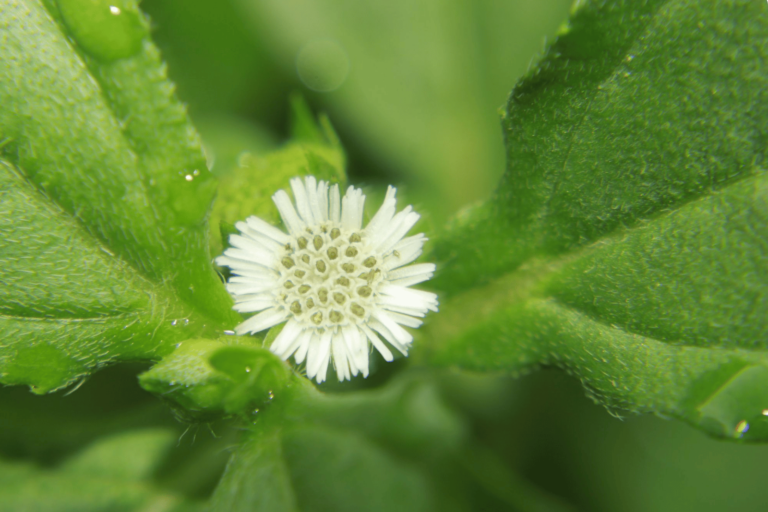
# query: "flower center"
[[329, 277]]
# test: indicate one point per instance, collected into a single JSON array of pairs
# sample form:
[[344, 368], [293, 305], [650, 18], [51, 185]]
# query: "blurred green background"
[[413, 88]]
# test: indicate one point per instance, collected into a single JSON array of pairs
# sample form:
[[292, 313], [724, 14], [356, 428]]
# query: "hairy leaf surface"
[[627, 241], [104, 200]]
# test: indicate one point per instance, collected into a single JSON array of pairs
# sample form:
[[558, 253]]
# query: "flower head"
[[338, 287]]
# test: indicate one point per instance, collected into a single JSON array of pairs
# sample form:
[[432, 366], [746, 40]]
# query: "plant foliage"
[[625, 244]]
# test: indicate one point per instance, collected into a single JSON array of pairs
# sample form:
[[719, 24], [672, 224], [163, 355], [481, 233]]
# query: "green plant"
[[625, 244]]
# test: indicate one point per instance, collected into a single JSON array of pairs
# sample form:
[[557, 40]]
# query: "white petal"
[[401, 335], [405, 320], [257, 303], [248, 271], [410, 281], [300, 346], [287, 336], [396, 308], [392, 305], [263, 279], [304, 341], [322, 197], [358, 349], [323, 369], [392, 226], [405, 243], [383, 217], [406, 300], [352, 209], [362, 351], [224, 261], [412, 274], [267, 230], [376, 342], [351, 347], [319, 352], [291, 219], [335, 211], [387, 334], [360, 210], [292, 348], [236, 288], [409, 296], [249, 244], [264, 242], [314, 200], [339, 350], [243, 296], [412, 270], [263, 258], [407, 250], [264, 320], [401, 225], [302, 201]]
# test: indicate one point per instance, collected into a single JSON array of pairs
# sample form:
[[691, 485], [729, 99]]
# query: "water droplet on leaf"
[[105, 29], [191, 196]]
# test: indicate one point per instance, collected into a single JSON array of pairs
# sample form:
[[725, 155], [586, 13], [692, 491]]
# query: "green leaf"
[[626, 243], [129, 456], [112, 475], [104, 196]]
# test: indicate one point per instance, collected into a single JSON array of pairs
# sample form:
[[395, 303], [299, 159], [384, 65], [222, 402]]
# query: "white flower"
[[334, 283]]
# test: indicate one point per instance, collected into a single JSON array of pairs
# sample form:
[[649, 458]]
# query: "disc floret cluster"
[[340, 288], [329, 279]]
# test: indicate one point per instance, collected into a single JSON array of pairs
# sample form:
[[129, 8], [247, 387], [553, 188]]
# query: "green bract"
[[206, 378], [627, 241], [246, 188]]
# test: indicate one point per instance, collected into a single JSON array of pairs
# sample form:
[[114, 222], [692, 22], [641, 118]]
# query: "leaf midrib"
[[155, 282], [554, 54], [529, 281], [75, 223]]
